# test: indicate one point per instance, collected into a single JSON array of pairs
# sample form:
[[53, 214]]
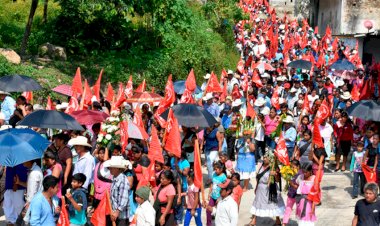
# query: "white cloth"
[[85, 165], [226, 212], [146, 215], [13, 204], [34, 182], [259, 132], [312, 99]]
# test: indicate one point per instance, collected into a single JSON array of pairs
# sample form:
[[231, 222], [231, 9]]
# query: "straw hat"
[[4, 93], [281, 79], [293, 90], [207, 76], [346, 95], [64, 105], [265, 75], [118, 162], [79, 140], [207, 97], [339, 83], [259, 102], [288, 119], [230, 72]]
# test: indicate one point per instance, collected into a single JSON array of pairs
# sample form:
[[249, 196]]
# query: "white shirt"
[[259, 132], [326, 131], [85, 165], [34, 182], [146, 215], [226, 212]]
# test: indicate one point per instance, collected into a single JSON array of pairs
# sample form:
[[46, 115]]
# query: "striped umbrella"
[[63, 89]]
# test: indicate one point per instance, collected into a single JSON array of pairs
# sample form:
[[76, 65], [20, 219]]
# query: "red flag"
[[315, 191], [124, 135], [323, 111], [76, 86], [250, 111], [96, 87], [335, 44], [224, 94], [190, 85], [244, 83], [137, 118], [104, 208], [328, 32], [224, 75], [129, 88], [172, 135], [141, 87], [49, 104], [213, 85], [275, 100], [256, 79], [236, 93], [317, 138], [110, 93], [73, 105], [281, 152], [240, 66], [28, 96], [306, 104], [87, 93], [198, 176], [120, 96], [365, 92], [155, 150], [63, 219], [355, 95], [369, 173], [316, 31], [166, 102]]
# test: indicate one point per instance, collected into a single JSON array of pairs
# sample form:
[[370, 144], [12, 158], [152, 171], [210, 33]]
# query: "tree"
[[28, 27], [46, 3]]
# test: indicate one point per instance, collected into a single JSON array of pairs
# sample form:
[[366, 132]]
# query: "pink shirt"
[[190, 198], [270, 125], [168, 190], [237, 192]]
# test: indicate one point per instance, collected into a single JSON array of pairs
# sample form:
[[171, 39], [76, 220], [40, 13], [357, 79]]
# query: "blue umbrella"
[[343, 65], [21, 145], [179, 87]]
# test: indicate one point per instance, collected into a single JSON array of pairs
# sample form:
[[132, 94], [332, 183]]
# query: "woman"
[[344, 134], [102, 177], [303, 148], [318, 158], [246, 163], [65, 157], [139, 161], [54, 168], [297, 111], [327, 131], [304, 125], [164, 198], [211, 148], [268, 200], [271, 123]]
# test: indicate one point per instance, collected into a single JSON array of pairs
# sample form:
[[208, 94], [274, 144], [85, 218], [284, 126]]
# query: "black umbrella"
[[303, 64], [191, 115], [18, 83], [179, 87], [343, 65], [50, 119], [365, 109]]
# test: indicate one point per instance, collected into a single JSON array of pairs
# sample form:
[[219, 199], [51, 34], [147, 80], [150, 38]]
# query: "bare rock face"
[[53, 52], [10, 55]]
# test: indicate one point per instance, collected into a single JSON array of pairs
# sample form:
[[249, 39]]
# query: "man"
[[292, 98], [41, 205], [290, 135], [231, 81], [86, 162], [226, 212], [230, 121], [210, 106], [367, 210], [260, 105], [8, 106], [204, 85]]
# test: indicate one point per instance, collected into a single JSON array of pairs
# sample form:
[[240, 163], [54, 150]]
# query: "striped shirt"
[[120, 195]]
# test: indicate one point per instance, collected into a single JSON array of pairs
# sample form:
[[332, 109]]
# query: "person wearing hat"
[[8, 105], [226, 212], [145, 214], [260, 105], [204, 84], [343, 100], [231, 81], [119, 190], [290, 135], [292, 98], [210, 106], [86, 162]]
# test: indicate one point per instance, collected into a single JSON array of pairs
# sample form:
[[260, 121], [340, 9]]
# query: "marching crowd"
[[269, 116]]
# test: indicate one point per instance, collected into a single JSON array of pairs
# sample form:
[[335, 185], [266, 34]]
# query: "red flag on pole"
[[369, 173], [198, 176], [172, 135], [120, 95], [141, 87], [315, 191], [49, 104], [250, 111], [317, 138], [224, 94], [96, 87], [281, 152], [355, 95], [256, 79], [129, 88], [124, 135], [323, 112], [63, 219], [110, 93], [166, 102], [365, 92], [224, 75], [104, 208], [76, 86], [306, 105], [240, 66], [73, 105], [155, 150], [190, 85], [275, 100], [28, 96], [213, 85], [137, 117], [87, 93]]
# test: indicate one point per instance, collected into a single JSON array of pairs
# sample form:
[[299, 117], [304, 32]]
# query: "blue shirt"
[[183, 164], [216, 180], [41, 211], [8, 107], [19, 170], [290, 136], [212, 109], [78, 217]]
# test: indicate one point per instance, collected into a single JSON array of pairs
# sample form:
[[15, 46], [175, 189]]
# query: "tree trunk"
[[45, 11], [28, 27]]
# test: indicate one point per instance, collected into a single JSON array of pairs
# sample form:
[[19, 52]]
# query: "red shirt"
[[344, 133], [237, 193]]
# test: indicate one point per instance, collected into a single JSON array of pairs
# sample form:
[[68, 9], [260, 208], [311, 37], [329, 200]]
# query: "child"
[[305, 208], [218, 177], [292, 192], [357, 137], [145, 214], [78, 200], [223, 157], [192, 202], [356, 168], [237, 192]]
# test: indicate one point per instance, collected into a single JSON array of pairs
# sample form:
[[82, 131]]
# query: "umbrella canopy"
[[89, 117], [50, 119], [136, 132], [263, 66], [63, 89], [343, 65], [21, 145], [303, 64], [18, 83], [191, 115], [366, 109], [179, 87], [144, 97]]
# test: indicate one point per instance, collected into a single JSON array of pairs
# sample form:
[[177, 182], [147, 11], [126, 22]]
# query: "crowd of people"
[[263, 101]]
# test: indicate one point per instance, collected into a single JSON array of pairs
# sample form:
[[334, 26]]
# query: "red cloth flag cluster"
[[124, 135], [141, 87], [76, 86], [96, 87], [110, 93], [317, 138], [369, 173], [213, 85], [198, 176], [166, 102], [250, 111], [323, 112], [172, 135], [49, 104], [275, 100], [129, 88], [281, 152], [155, 150], [104, 208], [120, 96], [190, 85]]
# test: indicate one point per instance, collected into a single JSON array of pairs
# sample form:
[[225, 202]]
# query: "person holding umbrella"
[[7, 105]]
